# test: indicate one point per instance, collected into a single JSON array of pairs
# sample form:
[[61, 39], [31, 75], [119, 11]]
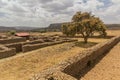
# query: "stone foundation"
[[71, 68], [14, 40], [7, 53]]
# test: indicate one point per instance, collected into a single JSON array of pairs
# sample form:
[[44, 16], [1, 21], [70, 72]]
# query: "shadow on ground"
[[107, 37], [85, 45]]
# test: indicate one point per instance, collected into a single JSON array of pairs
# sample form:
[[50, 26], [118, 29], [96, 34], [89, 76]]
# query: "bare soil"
[[23, 66]]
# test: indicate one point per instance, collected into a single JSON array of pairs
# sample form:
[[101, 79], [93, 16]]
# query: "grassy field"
[[25, 65], [113, 32]]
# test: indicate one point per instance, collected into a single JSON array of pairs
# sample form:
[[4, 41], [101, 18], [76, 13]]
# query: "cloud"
[[16, 8], [43, 12], [2, 4], [58, 5]]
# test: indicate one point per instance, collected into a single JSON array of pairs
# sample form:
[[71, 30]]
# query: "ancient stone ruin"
[[14, 45], [71, 68]]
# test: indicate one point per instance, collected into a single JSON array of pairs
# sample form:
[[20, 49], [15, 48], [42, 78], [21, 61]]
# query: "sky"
[[41, 13]]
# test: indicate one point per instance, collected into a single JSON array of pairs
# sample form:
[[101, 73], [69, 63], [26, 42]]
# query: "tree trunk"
[[85, 39]]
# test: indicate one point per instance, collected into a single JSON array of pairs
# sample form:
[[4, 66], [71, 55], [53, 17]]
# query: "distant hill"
[[113, 26], [55, 26], [2, 28], [51, 27], [58, 26], [18, 28], [22, 28]]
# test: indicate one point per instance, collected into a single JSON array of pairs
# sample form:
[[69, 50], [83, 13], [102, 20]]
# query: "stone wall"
[[17, 46], [30, 47], [88, 57], [14, 40], [33, 42], [72, 67], [7, 53], [33, 45]]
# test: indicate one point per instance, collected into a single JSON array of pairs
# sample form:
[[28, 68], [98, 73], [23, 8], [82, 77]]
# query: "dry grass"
[[23, 66], [46, 34], [113, 32]]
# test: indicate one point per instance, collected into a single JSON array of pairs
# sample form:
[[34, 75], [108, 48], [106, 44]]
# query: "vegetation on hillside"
[[84, 24], [12, 32]]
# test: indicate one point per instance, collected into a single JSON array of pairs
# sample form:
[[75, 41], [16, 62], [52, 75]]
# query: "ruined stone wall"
[[33, 45], [17, 46], [12, 48], [72, 67], [7, 53], [88, 57], [33, 42], [14, 40], [30, 47]]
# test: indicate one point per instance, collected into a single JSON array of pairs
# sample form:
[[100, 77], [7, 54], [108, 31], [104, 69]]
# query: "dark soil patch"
[[85, 45]]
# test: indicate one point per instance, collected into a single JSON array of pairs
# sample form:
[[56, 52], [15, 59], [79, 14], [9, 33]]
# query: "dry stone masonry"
[[12, 46], [71, 68], [6, 52]]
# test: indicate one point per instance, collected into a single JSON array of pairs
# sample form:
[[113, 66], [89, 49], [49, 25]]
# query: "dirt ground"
[[25, 65], [108, 68]]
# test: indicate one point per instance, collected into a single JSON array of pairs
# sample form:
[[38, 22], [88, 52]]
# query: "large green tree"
[[84, 24]]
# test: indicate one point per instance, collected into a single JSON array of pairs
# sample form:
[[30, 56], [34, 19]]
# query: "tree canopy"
[[84, 24]]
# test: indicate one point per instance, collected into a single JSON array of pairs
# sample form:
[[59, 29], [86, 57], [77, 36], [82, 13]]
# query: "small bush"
[[12, 32], [42, 31]]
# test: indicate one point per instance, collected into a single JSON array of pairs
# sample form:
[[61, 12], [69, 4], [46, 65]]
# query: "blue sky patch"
[[107, 3]]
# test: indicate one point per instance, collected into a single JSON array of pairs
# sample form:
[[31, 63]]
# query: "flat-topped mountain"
[[51, 27], [58, 26]]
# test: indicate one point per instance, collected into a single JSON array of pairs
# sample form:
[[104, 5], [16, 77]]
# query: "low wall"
[[14, 40], [17, 46], [29, 47], [33, 42], [2, 47], [88, 57], [7, 53], [32, 45], [73, 66]]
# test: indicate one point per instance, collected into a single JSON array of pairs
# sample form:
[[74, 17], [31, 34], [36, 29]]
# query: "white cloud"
[[116, 1], [43, 12]]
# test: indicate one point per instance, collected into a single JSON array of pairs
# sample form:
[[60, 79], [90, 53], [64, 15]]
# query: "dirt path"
[[108, 68]]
